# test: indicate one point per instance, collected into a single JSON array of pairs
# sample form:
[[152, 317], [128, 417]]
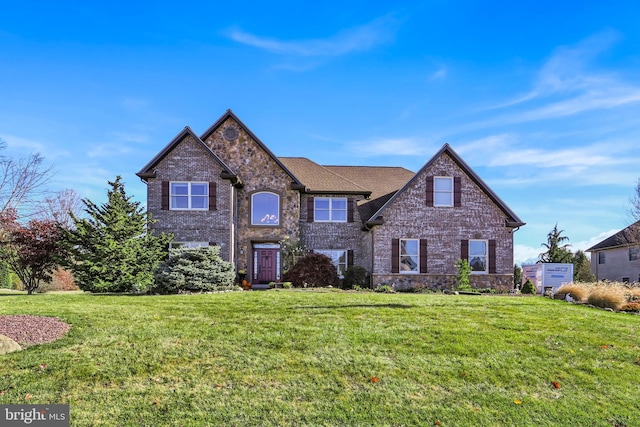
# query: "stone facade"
[[258, 171]]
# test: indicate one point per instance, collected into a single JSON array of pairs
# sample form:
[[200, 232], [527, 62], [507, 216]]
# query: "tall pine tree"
[[112, 250]]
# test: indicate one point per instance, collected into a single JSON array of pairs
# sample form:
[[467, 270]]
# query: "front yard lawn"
[[286, 357]]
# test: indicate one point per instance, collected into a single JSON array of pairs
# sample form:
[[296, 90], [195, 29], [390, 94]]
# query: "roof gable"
[[512, 219], [147, 171], [624, 237], [229, 114]]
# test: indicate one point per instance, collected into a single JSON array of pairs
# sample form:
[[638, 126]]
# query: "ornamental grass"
[[613, 295]]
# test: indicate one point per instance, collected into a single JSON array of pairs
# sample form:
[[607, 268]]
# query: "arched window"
[[265, 209]]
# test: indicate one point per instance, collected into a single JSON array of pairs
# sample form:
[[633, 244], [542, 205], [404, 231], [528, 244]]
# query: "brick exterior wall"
[[189, 161], [334, 235], [258, 171], [408, 216], [444, 228]]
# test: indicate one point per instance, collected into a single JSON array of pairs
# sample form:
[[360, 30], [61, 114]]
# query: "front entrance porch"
[[266, 263]]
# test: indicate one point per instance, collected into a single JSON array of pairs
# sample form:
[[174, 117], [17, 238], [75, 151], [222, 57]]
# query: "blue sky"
[[542, 98]]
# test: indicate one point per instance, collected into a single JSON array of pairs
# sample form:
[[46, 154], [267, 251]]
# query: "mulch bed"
[[28, 330]]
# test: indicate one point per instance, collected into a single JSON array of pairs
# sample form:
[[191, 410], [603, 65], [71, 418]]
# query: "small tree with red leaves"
[[30, 250]]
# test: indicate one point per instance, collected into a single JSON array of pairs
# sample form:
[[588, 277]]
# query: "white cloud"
[[355, 39], [390, 147], [440, 74], [586, 244], [19, 146], [523, 254]]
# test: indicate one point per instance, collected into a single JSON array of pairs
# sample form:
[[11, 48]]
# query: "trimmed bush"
[[194, 270], [528, 288], [355, 276], [313, 270]]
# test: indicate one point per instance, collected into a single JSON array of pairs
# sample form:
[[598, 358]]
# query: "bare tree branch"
[[22, 181]]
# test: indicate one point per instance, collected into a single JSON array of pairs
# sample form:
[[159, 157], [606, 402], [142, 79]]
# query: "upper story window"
[[265, 209], [443, 191], [189, 195], [601, 257], [330, 209], [478, 256], [633, 253]]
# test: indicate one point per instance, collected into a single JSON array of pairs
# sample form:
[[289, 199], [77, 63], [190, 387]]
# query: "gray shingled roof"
[[624, 237]]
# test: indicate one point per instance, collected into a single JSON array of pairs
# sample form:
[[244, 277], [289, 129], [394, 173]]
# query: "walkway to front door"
[[266, 262]]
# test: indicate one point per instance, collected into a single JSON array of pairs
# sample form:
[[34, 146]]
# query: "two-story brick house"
[[227, 188]]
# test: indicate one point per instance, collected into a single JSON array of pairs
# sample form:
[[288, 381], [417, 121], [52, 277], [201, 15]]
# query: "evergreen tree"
[[517, 276], [194, 270], [112, 249], [556, 252], [582, 268]]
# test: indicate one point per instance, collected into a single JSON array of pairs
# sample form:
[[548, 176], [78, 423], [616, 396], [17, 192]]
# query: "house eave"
[[368, 225]]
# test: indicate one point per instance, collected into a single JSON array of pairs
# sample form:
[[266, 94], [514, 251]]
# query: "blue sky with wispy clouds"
[[542, 99]]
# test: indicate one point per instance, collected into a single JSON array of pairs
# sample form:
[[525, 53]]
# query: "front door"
[[266, 265]]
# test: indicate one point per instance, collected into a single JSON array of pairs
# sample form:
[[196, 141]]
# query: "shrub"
[[194, 270], [462, 276], [383, 288], [528, 288], [613, 297], [5, 275], [61, 280], [355, 276], [313, 270], [578, 292]]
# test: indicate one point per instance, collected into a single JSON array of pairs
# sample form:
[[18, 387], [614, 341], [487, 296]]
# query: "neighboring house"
[[617, 258], [227, 188]]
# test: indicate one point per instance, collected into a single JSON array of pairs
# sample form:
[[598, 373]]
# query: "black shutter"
[[310, 208], [423, 255], [492, 256], [164, 198], [349, 258], [429, 191], [464, 249], [395, 255], [457, 191], [350, 208], [212, 196]]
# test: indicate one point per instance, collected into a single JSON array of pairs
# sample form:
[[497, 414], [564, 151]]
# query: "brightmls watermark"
[[34, 415]]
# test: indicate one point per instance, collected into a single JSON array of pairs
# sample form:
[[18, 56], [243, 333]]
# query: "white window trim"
[[277, 210], [486, 256], [331, 209], [188, 196], [435, 192], [329, 253], [417, 271]]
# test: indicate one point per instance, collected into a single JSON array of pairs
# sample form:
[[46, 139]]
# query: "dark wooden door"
[[267, 265]]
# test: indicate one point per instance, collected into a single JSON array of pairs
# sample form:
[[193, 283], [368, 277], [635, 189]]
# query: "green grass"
[[309, 358]]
